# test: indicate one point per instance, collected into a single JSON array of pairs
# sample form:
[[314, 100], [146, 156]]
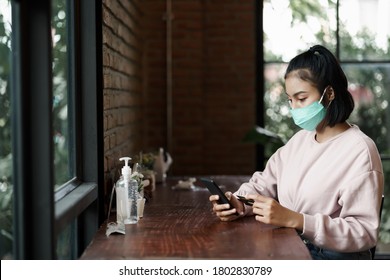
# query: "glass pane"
[[292, 26], [277, 116], [369, 84], [6, 186], [365, 29], [62, 164]]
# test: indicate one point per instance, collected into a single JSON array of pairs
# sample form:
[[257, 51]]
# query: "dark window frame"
[[38, 215]]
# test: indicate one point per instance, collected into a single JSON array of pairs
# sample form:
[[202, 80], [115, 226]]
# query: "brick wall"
[[213, 83], [123, 83]]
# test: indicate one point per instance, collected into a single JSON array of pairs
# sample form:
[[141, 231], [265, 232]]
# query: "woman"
[[327, 181]]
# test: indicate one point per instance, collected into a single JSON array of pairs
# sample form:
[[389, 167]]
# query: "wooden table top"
[[179, 224]]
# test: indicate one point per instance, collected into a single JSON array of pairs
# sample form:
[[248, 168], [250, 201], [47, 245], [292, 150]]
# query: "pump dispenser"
[[126, 170]]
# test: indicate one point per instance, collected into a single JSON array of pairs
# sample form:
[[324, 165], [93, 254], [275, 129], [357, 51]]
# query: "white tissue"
[[114, 227]]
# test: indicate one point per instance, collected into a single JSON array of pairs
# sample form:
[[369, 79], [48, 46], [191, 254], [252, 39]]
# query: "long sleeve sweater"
[[337, 185]]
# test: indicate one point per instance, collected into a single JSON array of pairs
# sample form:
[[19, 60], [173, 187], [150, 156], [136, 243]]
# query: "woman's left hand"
[[269, 211]]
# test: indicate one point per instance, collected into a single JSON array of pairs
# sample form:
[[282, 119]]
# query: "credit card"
[[245, 200]]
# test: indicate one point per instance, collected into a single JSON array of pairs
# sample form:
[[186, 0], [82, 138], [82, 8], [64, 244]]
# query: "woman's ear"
[[330, 94]]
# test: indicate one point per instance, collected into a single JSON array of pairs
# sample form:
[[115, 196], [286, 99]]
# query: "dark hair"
[[321, 68]]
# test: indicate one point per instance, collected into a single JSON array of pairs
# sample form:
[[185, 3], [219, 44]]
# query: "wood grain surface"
[[179, 224]]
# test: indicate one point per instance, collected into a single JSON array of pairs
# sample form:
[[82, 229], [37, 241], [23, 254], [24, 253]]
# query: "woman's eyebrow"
[[297, 93]]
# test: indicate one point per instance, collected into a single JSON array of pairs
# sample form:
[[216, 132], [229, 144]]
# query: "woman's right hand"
[[223, 212]]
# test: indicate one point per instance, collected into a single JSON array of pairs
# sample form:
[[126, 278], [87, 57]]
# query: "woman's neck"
[[329, 132]]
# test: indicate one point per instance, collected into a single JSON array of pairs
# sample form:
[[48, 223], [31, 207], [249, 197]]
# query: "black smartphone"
[[215, 189]]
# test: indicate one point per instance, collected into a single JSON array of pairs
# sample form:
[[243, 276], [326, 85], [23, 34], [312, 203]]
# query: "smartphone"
[[215, 189]]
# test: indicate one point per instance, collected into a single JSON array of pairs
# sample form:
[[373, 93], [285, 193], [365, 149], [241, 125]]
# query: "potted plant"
[[269, 140]]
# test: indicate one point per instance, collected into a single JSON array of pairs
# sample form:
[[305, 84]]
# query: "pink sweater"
[[337, 186]]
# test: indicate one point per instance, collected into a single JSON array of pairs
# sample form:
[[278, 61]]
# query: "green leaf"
[[262, 136]]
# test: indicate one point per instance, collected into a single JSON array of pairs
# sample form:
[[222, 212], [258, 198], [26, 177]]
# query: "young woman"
[[327, 181]]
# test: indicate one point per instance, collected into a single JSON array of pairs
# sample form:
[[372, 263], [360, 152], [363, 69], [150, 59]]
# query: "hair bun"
[[314, 51]]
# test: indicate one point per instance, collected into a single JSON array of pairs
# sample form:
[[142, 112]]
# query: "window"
[[358, 32], [6, 185], [62, 93], [55, 99]]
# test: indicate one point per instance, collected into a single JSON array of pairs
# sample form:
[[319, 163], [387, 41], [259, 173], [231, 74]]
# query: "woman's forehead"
[[295, 84]]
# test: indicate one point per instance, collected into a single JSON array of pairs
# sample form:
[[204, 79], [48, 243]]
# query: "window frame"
[[39, 214]]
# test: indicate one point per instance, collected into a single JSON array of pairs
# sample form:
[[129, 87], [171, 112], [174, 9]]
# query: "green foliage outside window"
[[60, 115], [61, 136], [6, 187]]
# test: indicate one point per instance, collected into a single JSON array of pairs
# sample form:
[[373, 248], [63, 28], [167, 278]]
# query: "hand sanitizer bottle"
[[122, 191]]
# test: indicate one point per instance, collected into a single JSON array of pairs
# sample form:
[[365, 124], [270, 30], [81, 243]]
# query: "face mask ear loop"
[[323, 94]]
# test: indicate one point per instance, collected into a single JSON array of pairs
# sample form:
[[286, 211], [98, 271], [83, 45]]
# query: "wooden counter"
[[179, 224]]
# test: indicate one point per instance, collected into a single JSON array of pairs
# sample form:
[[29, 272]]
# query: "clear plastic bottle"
[[122, 191], [127, 196]]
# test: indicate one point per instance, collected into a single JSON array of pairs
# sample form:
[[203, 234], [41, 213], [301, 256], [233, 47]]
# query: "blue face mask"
[[310, 116]]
